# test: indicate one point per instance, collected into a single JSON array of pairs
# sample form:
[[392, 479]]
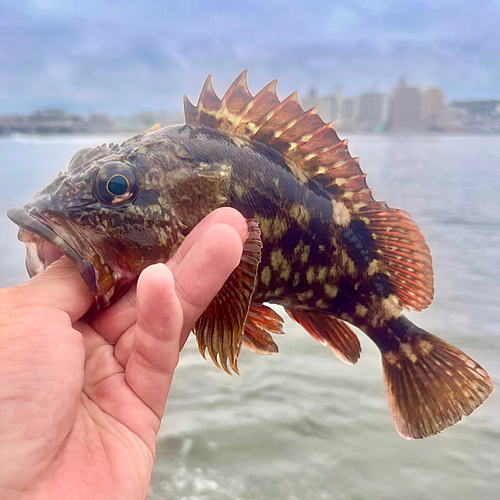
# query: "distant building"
[[140, 122], [367, 112], [99, 122], [55, 121], [405, 108], [11, 123], [311, 100], [433, 111], [348, 114], [328, 106], [372, 111]]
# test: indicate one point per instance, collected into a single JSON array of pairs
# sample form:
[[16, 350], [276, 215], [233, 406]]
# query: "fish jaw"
[[47, 239]]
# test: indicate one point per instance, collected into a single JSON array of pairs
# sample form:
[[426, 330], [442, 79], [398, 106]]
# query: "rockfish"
[[319, 244]]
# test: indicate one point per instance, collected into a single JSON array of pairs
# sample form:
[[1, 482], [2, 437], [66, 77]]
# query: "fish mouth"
[[44, 245]]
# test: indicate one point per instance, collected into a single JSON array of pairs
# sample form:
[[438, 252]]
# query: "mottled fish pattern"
[[319, 243]]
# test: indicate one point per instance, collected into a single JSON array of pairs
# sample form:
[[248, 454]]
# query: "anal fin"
[[221, 326], [328, 330], [261, 322]]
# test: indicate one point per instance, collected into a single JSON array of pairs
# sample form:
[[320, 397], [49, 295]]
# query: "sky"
[[123, 56]]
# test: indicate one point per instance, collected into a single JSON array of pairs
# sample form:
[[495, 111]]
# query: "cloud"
[[123, 56]]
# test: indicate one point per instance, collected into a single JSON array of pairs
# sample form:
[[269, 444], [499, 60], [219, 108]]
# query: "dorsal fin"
[[309, 146], [401, 248], [312, 150]]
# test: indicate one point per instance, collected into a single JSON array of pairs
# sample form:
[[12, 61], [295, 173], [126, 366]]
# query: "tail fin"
[[431, 384]]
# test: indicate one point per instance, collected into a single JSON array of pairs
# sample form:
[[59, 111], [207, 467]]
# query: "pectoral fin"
[[220, 328]]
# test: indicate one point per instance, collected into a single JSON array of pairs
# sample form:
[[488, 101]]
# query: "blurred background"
[[415, 86]]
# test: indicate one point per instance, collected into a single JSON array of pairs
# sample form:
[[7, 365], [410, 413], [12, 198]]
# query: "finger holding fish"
[[60, 286], [202, 271], [117, 319]]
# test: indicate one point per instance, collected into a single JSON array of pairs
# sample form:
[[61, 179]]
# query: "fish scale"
[[319, 243]]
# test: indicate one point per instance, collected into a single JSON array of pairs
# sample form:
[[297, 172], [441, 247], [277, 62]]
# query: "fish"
[[319, 244]]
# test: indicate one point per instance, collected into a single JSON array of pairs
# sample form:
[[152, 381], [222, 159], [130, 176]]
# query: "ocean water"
[[301, 425]]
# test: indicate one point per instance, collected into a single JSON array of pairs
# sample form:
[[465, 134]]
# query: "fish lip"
[[25, 220]]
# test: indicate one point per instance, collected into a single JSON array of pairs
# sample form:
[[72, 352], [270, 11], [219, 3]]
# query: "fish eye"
[[115, 184], [118, 185]]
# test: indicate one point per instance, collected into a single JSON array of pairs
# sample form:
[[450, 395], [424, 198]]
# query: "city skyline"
[[304, 99], [405, 108]]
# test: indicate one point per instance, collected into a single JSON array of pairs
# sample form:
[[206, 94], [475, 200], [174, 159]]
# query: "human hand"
[[81, 403]]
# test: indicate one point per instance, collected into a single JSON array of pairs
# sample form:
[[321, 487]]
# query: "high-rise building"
[[328, 106], [372, 111], [405, 109], [347, 116], [433, 109], [311, 100], [334, 108]]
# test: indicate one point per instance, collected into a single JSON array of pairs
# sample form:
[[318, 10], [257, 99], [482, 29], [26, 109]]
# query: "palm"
[[79, 411], [80, 404]]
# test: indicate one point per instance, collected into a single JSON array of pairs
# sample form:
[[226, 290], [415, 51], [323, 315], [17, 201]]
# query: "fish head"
[[106, 214]]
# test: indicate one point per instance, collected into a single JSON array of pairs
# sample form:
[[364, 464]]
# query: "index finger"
[[118, 318], [224, 215]]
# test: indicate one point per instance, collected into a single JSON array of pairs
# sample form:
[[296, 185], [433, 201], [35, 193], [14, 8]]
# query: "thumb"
[[155, 352], [60, 286]]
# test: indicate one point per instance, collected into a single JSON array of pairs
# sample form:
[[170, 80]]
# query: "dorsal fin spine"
[[227, 110], [241, 78], [206, 90], [343, 163], [307, 137], [248, 107], [190, 110], [239, 119], [222, 111], [265, 91], [353, 177], [305, 114], [273, 112], [291, 123], [331, 148]]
